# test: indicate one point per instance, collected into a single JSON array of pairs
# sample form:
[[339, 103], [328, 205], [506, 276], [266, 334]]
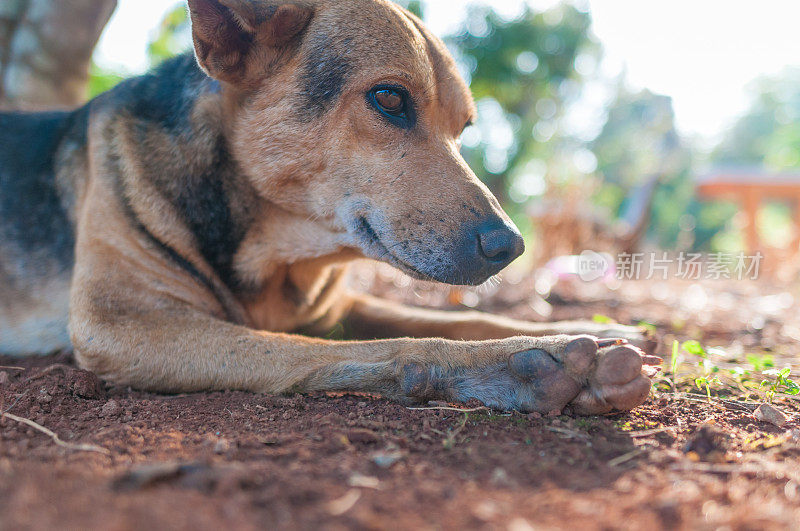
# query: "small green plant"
[[707, 378], [760, 363], [780, 384], [694, 347], [740, 374], [603, 319], [650, 328], [676, 358]]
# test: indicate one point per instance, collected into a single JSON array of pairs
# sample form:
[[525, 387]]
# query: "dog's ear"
[[230, 35]]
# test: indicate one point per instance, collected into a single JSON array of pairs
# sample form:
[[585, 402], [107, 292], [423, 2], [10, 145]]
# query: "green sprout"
[[707, 378], [676, 358], [603, 319], [740, 374], [781, 384]]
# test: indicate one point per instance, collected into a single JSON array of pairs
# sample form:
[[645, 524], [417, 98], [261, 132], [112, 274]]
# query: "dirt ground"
[[245, 461]]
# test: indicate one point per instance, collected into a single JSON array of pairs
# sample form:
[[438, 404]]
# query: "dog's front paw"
[[635, 335], [591, 376]]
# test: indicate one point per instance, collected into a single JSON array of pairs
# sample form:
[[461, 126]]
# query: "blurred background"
[[614, 126]]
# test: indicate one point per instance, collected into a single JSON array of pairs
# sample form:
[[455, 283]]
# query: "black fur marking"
[[324, 75], [205, 207], [165, 96], [163, 248], [165, 99], [32, 214]]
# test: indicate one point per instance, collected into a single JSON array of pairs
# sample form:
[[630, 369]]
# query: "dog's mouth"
[[379, 250]]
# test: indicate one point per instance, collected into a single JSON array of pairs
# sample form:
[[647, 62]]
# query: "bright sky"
[[703, 53]]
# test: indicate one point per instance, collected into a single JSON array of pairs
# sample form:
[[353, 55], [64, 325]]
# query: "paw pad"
[[532, 364]]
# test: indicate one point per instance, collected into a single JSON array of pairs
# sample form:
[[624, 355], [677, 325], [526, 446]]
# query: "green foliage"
[[101, 80], [173, 36], [522, 74], [650, 328], [780, 383], [695, 348], [415, 6], [639, 140], [602, 319], [769, 132], [760, 363]]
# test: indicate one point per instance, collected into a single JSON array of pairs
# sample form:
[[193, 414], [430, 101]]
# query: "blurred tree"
[[523, 73], [767, 136], [638, 140], [173, 36], [769, 132], [46, 48], [415, 6]]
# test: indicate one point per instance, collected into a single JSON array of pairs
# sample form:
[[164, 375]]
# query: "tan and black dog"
[[191, 227]]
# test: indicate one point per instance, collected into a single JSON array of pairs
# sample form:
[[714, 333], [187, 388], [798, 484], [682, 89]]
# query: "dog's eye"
[[390, 101], [394, 104]]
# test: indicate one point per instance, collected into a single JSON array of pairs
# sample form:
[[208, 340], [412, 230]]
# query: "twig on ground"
[[9, 408], [4, 368], [564, 431], [48, 370], [450, 441], [698, 398], [646, 433], [739, 405], [624, 458], [444, 408], [731, 404], [55, 438], [723, 468]]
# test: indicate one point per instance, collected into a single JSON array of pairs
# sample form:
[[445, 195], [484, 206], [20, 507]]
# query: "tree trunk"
[[46, 50]]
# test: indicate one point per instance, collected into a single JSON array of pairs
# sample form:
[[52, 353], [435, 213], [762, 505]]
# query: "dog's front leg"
[[371, 317], [181, 350]]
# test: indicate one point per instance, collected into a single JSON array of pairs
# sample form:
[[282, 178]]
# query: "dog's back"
[[36, 230]]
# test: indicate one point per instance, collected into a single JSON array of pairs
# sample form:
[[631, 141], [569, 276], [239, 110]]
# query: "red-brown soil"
[[241, 461]]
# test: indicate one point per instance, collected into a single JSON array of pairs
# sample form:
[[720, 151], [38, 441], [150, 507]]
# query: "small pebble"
[[386, 459], [110, 409], [771, 414], [222, 446], [85, 384], [44, 398]]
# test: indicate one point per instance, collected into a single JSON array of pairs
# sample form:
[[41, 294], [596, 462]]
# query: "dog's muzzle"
[[485, 251]]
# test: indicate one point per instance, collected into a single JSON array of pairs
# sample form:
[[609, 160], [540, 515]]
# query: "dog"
[[190, 229]]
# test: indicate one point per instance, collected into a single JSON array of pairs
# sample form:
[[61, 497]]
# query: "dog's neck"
[[242, 236]]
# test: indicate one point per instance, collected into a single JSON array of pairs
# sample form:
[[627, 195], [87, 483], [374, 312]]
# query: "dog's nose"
[[500, 245], [483, 250]]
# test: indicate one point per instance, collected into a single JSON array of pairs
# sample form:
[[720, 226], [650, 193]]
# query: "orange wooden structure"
[[749, 188]]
